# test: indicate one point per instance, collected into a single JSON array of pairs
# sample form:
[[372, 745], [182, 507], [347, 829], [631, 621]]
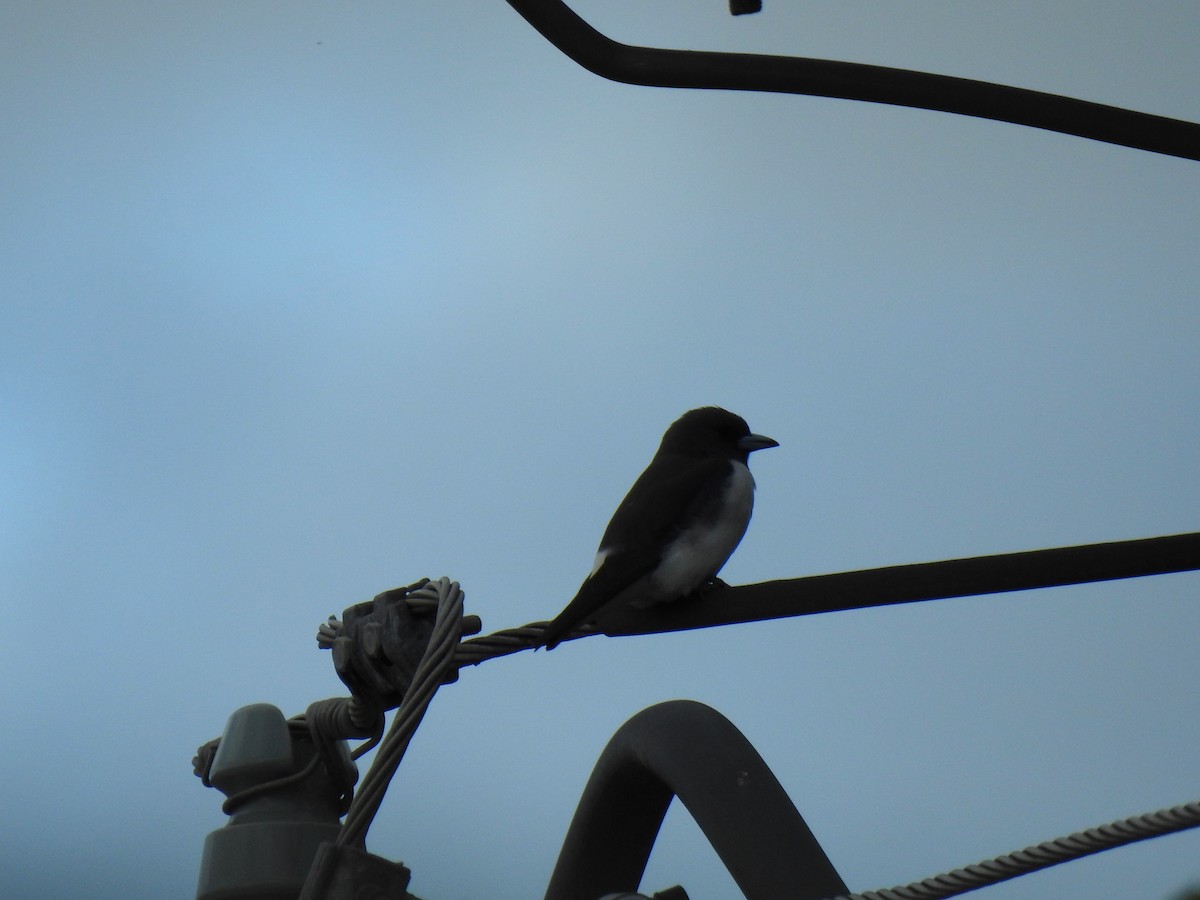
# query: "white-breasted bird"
[[679, 523]]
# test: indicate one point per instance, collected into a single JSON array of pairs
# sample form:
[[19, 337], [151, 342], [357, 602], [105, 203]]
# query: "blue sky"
[[308, 300]]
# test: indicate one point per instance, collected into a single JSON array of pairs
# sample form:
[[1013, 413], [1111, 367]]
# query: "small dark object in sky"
[[742, 7]]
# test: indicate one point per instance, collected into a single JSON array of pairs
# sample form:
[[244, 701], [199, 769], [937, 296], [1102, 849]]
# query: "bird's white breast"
[[700, 551]]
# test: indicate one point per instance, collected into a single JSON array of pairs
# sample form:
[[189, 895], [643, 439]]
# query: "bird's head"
[[714, 432]]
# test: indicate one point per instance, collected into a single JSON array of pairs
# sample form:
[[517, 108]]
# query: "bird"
[[679, 523]]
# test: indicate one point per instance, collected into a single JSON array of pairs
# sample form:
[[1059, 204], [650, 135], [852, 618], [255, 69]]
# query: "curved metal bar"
[[657, 67], [686, 749]]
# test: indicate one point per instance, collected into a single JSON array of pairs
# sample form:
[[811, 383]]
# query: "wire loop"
[[431, 673]]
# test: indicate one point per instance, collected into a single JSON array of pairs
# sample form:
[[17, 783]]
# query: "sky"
[[303, 301]]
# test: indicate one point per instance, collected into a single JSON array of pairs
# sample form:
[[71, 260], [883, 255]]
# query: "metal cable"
[[235, 801], [822, 594], [502, 643], [1021, 571], [1042, 856], [431, 673]]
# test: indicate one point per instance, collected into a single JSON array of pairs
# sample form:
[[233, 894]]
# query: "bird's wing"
[[664, 498], [618, 572], [651, 515]]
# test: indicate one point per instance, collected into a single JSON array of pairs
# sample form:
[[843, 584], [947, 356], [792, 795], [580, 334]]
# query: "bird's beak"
[[752, 442]]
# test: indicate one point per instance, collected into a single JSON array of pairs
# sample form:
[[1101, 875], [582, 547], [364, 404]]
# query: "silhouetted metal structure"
[[1027, 570], [658, 67], [290, 782], [687, 750]]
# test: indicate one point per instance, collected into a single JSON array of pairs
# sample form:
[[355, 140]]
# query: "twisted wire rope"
[[1042, 856], [430, 675], [503, 643]]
